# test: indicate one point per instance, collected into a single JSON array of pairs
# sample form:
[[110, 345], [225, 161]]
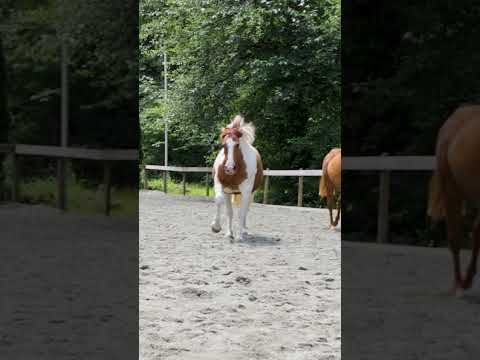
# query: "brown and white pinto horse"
[[456, 181], [331, 182], [237, 171]]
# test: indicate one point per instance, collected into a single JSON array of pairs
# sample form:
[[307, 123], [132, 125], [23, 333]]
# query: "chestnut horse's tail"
[[323, 192], [436, 202]]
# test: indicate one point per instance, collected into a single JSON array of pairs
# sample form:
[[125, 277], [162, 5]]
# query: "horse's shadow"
[[257, 240], [470, 298]]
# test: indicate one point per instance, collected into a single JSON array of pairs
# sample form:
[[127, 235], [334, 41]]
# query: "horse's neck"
[[246, 148]]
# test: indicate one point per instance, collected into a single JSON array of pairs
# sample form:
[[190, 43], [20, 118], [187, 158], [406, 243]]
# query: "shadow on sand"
[[258, 240]]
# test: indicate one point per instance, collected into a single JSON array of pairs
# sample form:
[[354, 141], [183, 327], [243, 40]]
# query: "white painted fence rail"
[[301, 173], [388, 163], [59, 152], [385, 165]]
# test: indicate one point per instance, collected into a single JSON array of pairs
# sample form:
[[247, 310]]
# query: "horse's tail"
[[237, 199], [323, 192], [436, 201]]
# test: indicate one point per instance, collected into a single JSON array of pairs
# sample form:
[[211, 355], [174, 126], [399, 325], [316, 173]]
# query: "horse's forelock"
[[234, 133], [237, 122]]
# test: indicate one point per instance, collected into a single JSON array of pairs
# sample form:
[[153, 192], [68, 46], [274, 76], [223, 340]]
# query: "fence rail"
[[61, 154], [301, 173], [385, 165]]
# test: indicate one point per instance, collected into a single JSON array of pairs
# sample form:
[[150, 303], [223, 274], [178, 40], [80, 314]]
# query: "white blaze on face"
[[230, 164]]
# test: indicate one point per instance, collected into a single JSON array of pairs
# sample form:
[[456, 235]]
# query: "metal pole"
[[165, 95], [64, 89], [61, 163]]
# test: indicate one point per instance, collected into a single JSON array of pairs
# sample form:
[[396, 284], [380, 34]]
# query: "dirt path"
[[67, 284], [274, 296], [395, 305]]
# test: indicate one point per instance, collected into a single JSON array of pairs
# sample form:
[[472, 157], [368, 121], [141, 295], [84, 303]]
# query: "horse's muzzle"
[[229, 170]]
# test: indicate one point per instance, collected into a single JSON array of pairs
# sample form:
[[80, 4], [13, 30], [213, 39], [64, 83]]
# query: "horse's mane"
[[247, 129]]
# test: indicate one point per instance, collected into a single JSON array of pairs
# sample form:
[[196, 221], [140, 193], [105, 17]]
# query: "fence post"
[[300, 190], [383, 204], [207, 184], [265, 188], [107, 185], [15, 177], [145, 177], [61, 184], [165, 176], [184, 185]]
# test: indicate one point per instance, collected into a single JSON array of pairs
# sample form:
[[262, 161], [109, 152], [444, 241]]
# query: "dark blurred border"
[[69, 194]]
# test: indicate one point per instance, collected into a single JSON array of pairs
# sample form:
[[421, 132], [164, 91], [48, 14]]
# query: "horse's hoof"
[[467, 284], [216, 228], [459, 293], [243, 236], [456, 290], [229, 235]]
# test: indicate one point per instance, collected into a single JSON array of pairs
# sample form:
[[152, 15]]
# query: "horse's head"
[[231, 142]]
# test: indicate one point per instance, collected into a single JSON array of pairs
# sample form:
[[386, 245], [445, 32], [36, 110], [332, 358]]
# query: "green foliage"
[[82, 198], [102, 44], [406, 67], [277, 62]]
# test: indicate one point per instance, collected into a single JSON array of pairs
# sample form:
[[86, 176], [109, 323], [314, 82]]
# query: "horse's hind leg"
[[453, 223], [472, 267], [330, 205], [339, 208]]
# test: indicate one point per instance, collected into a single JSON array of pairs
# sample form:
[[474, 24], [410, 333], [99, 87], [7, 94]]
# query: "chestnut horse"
[[237, 171], [457, 181], [331, 182]]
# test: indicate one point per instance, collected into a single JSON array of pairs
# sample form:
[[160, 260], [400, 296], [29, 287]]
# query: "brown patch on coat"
[[234, 180]]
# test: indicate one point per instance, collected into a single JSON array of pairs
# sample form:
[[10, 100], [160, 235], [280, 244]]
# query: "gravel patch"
[[204, 297]]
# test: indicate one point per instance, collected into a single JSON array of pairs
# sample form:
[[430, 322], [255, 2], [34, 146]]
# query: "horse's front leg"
[[229, 210], [246, 193], [219, 201]]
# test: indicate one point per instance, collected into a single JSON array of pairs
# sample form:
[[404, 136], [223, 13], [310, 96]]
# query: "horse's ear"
[[237, 121]]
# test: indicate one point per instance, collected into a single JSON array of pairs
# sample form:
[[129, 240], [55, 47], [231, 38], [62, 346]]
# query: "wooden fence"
[[208, 170], [107, 156], [385, 165]]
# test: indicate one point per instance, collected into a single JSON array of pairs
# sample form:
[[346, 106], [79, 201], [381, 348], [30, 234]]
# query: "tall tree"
[[4, 118]]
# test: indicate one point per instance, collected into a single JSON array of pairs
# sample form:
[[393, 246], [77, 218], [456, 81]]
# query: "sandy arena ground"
[[274, 296], [395, 305], [68, 283]]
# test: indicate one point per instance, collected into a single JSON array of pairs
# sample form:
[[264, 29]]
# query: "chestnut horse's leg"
[[453, 224], [229, 210], [472, 268], [339, 208]]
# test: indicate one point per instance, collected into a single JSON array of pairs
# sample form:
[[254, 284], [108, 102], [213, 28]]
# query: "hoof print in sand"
[[195, 293], [243, 280]]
